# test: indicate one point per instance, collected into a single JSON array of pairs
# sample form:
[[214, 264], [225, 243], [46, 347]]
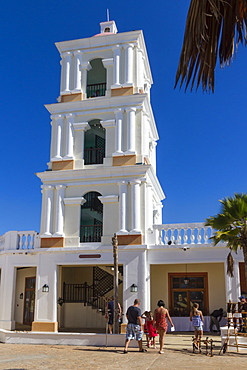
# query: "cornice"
[[96, 175], [97, 104]]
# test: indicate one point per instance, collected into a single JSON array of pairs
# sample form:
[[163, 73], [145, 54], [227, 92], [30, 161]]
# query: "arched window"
[[96, 79], [91, 224], [94, 146]]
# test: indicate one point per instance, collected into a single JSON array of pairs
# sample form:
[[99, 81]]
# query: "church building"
[[101, 180]]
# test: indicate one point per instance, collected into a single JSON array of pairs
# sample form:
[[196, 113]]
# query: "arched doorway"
[[91, 224], [94, 146], [96, 79]]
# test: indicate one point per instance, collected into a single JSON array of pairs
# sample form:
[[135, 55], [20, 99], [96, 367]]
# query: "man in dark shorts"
[[134, 326]]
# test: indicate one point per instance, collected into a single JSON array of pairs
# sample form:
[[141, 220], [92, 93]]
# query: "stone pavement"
[[178, 354]]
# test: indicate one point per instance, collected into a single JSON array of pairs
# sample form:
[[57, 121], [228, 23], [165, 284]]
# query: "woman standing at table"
[[160, 322]]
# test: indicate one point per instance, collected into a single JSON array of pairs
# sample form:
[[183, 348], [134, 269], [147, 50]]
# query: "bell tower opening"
[[91, 224], [96, 79], [94, 151]]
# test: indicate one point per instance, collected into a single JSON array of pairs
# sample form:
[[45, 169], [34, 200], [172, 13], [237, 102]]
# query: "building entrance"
[[29, 300]]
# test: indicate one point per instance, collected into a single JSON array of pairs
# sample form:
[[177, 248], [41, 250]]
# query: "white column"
[[135, 207], [129, 64], [46, 303], [80, 129], [77, 70], [145, 134], [232, 283], [140, 68], [119, 132], [69, 137], [143, 282], [108, 64], [59, 210], [122, 208], [65, 72], [7, 293], [57, 137], [85, 67], [131, 130], [47, 211], [152, 147], [149, 207], [116, 69]]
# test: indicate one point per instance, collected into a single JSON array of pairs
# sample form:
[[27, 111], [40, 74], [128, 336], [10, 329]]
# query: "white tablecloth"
[[184, 323]]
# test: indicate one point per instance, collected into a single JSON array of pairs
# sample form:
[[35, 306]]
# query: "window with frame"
[[184, 290]]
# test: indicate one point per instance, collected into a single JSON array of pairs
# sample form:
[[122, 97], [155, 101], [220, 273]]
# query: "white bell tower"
[[101, 178]]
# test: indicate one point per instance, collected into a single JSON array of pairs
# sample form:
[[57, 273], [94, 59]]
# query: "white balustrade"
[[183, 234], [26, 240]]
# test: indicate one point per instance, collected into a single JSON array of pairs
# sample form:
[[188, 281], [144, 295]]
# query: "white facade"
[[101, 179]]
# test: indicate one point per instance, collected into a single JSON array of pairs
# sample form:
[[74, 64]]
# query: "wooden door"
[[29, 302]]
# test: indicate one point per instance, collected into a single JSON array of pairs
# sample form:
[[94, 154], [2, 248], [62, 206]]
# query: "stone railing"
[[182, 234], [19, 240]]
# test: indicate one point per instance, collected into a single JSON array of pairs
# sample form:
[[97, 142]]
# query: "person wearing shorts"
[[134, 326], [197, 319]]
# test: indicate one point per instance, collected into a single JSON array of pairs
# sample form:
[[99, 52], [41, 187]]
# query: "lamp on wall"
[[45, 288], [133, 288]]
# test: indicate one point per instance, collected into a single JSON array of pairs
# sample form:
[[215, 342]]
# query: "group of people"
[[154, 325]]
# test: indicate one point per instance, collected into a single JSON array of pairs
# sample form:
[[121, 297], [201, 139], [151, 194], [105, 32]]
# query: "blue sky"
[[201, 154]]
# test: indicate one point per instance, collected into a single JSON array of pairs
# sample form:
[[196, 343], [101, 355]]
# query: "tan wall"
[[77, 275], [76, 315], [216, 282]]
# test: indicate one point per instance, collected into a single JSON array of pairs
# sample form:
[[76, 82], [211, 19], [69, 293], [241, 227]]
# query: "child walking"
[[145, 317], [152, 333], [197, 319]]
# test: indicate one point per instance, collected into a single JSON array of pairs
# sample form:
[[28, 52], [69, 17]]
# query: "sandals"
[[125, 351], [143, 350]]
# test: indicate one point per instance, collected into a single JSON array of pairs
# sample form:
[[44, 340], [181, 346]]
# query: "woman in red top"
[[160, 315]]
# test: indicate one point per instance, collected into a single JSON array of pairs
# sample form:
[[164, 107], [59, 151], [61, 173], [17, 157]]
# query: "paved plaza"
[[178, 354]]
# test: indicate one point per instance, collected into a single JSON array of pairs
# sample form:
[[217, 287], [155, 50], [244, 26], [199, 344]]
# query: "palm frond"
[[214, 28]]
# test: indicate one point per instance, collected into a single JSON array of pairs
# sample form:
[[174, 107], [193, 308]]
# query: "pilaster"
[[59, 210], [85, 67], [80, 129], [47, 211], [130, 131], [129, 64], [57, 137], [108, 64], [136, 206], [69, 137], [108, 124], [116, 70], [119, 132], [122, 208], [65, 72], [77, 71]]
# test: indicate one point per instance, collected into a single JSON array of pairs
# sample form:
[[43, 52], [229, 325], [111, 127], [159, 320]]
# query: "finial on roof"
[[107, 15]]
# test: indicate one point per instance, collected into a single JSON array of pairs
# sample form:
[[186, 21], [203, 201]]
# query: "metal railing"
[[90, 233], [95, 90], [94, 155]]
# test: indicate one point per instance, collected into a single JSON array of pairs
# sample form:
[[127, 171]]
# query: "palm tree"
[[231, 224], [214, 28]]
